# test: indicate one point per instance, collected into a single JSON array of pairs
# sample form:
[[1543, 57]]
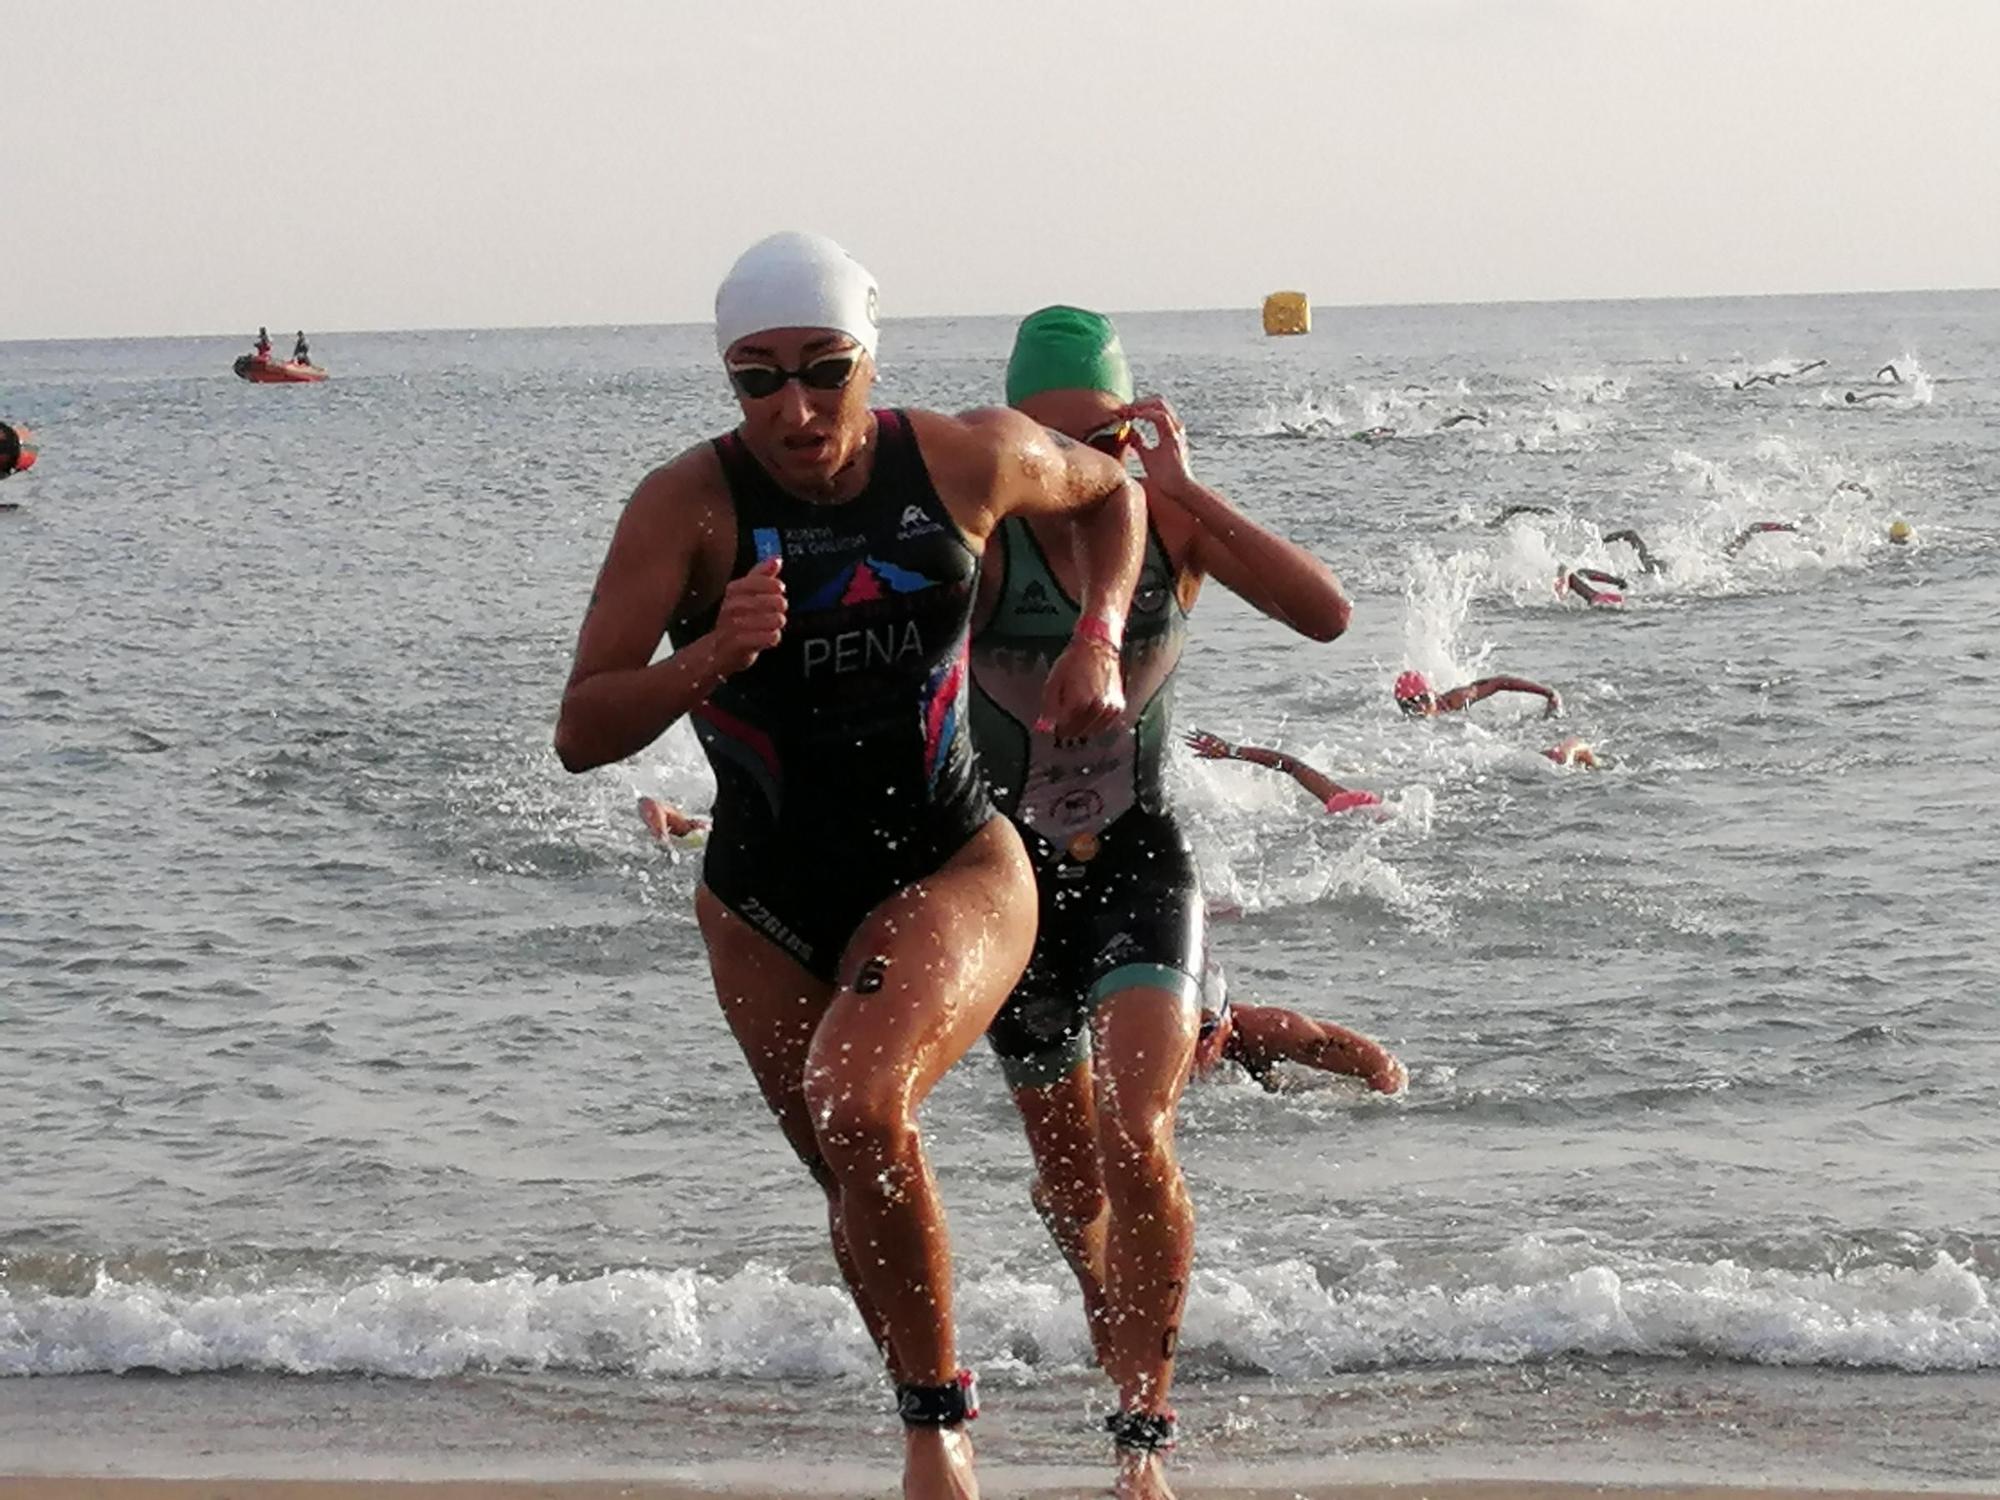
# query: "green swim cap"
[[1066, 349]]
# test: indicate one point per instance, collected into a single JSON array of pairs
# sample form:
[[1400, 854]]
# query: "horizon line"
[[1248, 309]]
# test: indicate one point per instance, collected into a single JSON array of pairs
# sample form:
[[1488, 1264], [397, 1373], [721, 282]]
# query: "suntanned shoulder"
[[690, 480], [965, 452]]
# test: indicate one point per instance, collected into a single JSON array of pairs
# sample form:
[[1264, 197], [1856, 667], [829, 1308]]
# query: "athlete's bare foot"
[[937, 1465], [1141, 1476]]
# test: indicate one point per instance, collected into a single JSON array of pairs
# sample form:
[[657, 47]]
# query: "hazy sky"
[[179, 166]]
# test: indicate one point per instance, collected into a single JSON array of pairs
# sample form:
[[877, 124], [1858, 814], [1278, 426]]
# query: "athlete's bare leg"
[[1068, 1192], [921, 981], [1144, 1048], [773, 1006]]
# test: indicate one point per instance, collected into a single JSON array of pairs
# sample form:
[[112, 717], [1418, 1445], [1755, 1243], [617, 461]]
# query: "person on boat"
[[263, 343], [1096, 1040], [865, 909], [301, 353], [1322, 788], [1415, 696], [1260, 1039], [17, 450]]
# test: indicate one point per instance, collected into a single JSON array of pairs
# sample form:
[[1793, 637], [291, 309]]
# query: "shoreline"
[[738, 1483]]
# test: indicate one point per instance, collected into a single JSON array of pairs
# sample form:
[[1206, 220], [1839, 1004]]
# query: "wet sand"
[[996, 1486]]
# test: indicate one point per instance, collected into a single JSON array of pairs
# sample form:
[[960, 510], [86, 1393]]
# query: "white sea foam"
[[1536, 1298]]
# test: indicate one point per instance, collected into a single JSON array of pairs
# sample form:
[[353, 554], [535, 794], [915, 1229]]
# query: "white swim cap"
[[796, 280]]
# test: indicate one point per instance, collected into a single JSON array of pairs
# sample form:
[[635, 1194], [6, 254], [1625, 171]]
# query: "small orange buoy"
[[17, 450]]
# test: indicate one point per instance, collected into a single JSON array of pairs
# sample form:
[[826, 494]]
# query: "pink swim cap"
[[1411, 685], [1348, 801]]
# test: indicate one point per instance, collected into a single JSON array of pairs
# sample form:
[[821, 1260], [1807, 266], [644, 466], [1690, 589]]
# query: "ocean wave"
[[1537, 1299]]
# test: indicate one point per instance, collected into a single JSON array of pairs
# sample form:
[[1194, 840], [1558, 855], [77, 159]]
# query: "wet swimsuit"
[[842, 769], [1120, 899]]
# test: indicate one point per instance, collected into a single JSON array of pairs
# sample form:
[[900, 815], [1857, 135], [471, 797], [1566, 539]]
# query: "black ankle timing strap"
[[1148, 1430], [939, 1405]]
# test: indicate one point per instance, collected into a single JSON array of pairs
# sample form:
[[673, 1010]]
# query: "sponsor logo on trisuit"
[[1035, 599], [916, 523]]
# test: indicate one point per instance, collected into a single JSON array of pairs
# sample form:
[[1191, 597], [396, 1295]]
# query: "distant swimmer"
[[1459, 418], [1322, 788], [1313, 426], [1260, 1038], [1592, 585], [301, 352], [1573, 751], [1772, 377], [1754, 530], [670, 825], [1855, 398], [1648, 563], [1520, 510], [1373, 435], [1900, 533], [1414, 695]]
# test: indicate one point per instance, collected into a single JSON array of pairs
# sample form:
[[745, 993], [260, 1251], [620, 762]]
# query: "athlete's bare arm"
[[1207, 535], [1323, 788], [995, 462], [1755, 529], [1473, 692], [1266, 1035], [672, 546], [1638, 543]]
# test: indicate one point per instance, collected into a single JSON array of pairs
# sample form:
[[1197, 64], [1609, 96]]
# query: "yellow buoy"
[[1287, 312]]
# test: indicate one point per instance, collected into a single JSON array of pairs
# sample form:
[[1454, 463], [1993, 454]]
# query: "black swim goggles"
[[830, 372]]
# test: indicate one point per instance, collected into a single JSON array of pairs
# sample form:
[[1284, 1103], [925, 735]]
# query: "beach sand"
[[995, 1486]]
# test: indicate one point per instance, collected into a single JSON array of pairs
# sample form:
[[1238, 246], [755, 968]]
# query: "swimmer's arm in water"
[[1521, 510], [1015, 466], [1895, 375], [1279, 577], [618, 699], [1647, 561], [1486, 687], [1322, 788], [1265, 1035], [1755, 529]]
